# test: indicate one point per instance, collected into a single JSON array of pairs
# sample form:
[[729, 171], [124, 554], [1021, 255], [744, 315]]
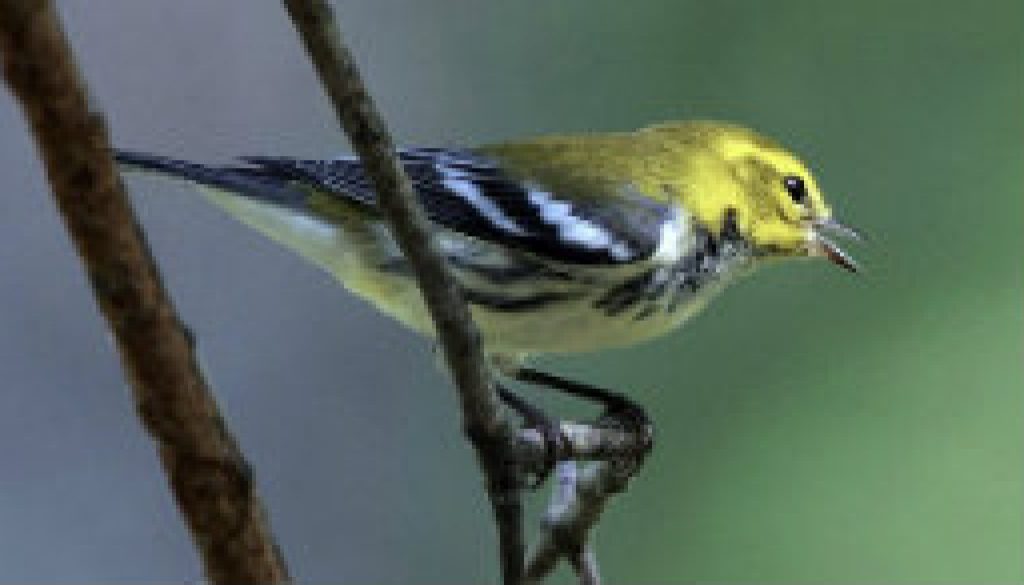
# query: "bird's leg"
[[534, 417], [617, 406]]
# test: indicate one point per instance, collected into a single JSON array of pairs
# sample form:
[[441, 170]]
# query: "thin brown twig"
[[578, 499], [208, 475], [584, 563], [482, 416], [580, 442]]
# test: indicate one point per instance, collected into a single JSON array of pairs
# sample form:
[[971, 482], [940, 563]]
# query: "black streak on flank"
[[622, 296], [514, 304], [646, 312], [730, 225], [494, 274], [510, 273]]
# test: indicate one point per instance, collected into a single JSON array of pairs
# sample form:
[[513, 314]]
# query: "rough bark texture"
[[209, 477]]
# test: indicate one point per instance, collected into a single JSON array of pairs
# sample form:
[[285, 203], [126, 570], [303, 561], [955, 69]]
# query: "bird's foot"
[[550, 430]]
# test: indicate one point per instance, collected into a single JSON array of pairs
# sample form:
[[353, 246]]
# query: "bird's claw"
[[627, 415], [549, 429], [554, 443]]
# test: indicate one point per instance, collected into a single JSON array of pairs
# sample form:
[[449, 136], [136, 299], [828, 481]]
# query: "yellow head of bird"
[[736, 179]]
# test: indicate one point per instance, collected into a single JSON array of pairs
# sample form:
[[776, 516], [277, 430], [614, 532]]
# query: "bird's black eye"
[[795, 187]]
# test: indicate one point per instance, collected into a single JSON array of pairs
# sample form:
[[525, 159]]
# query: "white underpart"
[[576, 229], [315, 240], [462, 185], [353, 252], [314, 228], [675, 239]]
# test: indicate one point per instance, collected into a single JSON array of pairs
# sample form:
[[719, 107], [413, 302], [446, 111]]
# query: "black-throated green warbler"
[[562, 243]]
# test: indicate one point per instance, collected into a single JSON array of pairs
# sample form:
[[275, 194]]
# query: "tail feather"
[[250, 182]]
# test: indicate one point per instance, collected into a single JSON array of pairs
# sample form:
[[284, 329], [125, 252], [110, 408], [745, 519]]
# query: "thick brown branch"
[[208, 475], [481, 412]]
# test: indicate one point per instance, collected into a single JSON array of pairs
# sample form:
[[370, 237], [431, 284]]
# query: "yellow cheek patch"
[[705, 187], [779, 235]]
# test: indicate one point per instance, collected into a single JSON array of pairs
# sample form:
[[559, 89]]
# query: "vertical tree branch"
[[482, 416], [208, 475]]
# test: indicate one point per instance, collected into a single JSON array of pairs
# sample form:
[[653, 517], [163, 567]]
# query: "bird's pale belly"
[[577, 326], [577, 317], [582, 320]]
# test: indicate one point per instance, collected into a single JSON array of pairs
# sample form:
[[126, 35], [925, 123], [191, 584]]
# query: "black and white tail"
[[250, 182]]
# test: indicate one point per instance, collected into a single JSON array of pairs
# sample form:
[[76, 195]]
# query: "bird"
[[560, 243]]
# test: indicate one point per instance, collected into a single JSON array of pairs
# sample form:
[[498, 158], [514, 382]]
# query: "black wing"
[[461, 191], [469, 193]]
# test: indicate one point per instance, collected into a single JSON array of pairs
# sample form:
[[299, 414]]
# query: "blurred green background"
[[813, 427]]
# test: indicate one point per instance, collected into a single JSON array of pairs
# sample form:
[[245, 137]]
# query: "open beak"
[[822, 243]]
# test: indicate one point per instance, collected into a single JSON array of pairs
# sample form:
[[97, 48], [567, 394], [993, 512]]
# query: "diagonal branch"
[[482, 417], [209, 477], [372, 141]]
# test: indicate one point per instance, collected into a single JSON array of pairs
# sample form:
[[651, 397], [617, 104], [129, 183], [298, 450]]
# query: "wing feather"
[[470, 193]]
